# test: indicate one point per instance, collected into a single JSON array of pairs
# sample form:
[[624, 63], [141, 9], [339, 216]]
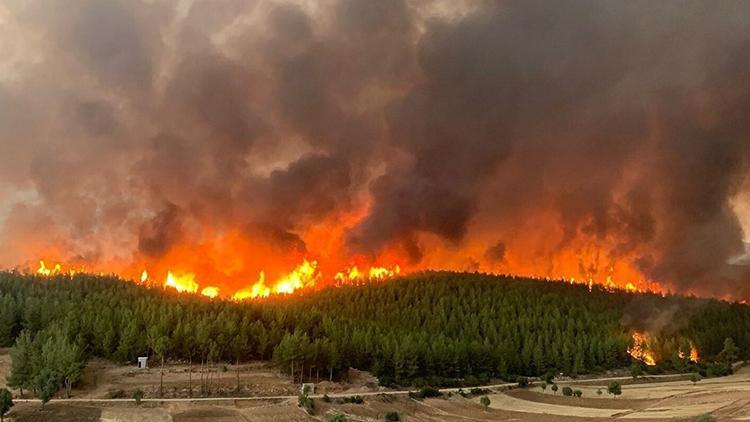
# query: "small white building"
[[143, 362], [307, 388]]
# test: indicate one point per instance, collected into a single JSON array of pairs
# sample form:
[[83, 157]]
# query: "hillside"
[[429, 328]]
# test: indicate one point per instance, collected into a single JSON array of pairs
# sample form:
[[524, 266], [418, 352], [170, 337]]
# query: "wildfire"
[[182, 283], [353, 274], [693, 353], [43, 270], [641, 350], [304, 276], [210, 291], [57, 269]]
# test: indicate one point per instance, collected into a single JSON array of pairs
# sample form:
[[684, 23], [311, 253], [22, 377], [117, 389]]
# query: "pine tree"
[[22, 363]]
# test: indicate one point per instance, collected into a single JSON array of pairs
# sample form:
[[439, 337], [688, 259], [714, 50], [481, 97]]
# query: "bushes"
[[354, 399], [567, 391], [695, 377], [485, 402], [337, 418], [614, 388], [6, 402], [425, 392], [137, 396], [306, 403], [392, 417], [523, 382]]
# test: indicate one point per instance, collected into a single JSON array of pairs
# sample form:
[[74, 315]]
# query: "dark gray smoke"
[[613, 131]]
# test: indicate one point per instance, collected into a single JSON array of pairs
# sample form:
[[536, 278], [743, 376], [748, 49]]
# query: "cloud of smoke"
[[589, 136]]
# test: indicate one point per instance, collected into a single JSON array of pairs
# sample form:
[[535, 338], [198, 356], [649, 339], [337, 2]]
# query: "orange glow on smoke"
[[241, 265]]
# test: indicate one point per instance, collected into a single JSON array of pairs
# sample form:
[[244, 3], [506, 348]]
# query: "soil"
[[4, 366], [726, 398]]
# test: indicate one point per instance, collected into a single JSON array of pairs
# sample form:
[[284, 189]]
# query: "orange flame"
[[640, 349], [43, 270], [693, 353], [182, 283], [210, 291], [353, 274], [304, 276]]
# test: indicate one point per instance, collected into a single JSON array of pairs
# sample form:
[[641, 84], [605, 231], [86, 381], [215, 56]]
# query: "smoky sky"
[[128, 126]]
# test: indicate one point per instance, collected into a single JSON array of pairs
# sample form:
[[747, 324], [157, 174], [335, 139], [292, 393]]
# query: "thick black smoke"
[[621, 126]]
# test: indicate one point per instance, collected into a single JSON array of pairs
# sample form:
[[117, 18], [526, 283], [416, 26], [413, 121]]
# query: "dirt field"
[[4, 365], [726, 398]]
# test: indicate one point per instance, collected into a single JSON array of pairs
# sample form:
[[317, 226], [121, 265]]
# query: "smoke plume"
[[597, 139]]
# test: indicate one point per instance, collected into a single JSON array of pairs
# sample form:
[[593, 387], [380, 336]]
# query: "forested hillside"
[[430, 328]]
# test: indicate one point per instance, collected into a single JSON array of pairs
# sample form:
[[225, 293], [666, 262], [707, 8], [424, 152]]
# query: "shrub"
[[6, 402], [429, 392], [485, 402], [599, 392], [567, 391], [548, 377], [636, 370], [137, 396], [337, 418], [695, 377], [354, 399], [614, 388], [704, 418], [116, 394], [306, 403], [577, 393], [478, 391], [523, 382], [554, 388], [392, 417]]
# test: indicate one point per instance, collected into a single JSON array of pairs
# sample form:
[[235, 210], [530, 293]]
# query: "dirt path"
[[332, 395]]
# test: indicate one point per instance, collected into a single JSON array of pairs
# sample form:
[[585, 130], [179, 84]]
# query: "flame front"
[[353, 274], [43, 270], [304, 276], [641, 350], [184, 283], [210, 291]]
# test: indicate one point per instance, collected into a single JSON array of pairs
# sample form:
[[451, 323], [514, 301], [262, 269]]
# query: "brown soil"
[[4, 366], [604, 402], [32, 412]]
